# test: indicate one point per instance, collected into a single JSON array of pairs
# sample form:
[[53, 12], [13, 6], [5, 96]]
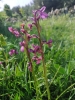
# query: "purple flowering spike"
[[22, 48], [12, 52]]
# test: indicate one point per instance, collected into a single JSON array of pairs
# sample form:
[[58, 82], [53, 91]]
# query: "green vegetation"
[[16, 82]]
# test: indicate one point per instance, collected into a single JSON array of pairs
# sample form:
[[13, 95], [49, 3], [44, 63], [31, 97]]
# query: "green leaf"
[[17, 97], [18, 72], [61, 69]]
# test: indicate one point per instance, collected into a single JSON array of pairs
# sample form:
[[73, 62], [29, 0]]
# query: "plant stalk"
[[43, 61], [32, 69]]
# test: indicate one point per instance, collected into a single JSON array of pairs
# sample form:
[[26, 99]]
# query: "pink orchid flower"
[[37, 59], [35, 49], [39, 14], [14, 31]]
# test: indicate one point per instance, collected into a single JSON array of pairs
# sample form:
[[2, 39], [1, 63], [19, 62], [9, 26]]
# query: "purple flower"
[[35, 49], [12, 52], [48, 42], [14, 31], [22, 48], [39, 14], [30, 26], [30, 67], [43, 15], [10, 29], [37, 59], [28, 36], [22, 43], [23, 31]]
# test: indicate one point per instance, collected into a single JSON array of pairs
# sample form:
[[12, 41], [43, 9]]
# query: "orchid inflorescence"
[[36, 50], [38, 14]]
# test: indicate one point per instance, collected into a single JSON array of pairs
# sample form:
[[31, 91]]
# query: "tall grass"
[[16, 82]]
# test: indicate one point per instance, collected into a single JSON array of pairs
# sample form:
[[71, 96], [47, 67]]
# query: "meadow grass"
[[16, 82]]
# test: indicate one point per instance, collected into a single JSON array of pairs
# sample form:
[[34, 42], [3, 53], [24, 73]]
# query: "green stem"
[[46, 81], [28, 53], [65, 91], [44, 67], [35, 84]]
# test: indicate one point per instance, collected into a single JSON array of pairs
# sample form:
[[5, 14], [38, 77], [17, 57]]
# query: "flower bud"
[[22, 48]]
